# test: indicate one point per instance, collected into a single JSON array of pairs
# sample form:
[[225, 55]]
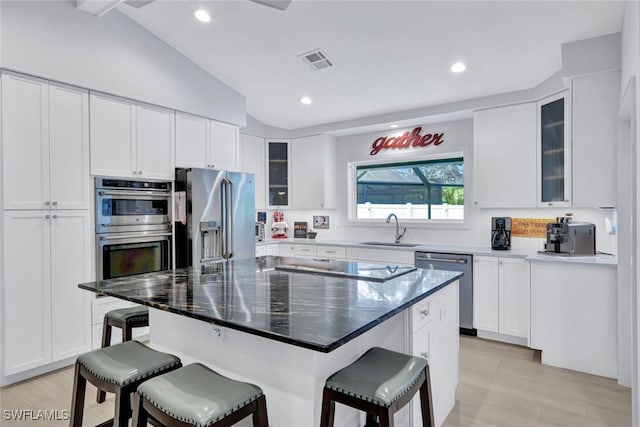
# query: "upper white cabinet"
[[313, 172], [203, 143], [554, 150], [252, 160], [45, 134], [504, 152], [501, 296], [131, 140], [595, 126]]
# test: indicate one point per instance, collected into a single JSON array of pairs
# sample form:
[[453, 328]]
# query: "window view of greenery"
[[414, 190]]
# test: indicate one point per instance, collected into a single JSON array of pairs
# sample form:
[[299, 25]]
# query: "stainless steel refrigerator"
[[214, 219]]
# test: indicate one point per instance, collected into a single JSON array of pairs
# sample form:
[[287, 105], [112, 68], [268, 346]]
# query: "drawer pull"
[[330, 252], [425, 354], [425, 312]]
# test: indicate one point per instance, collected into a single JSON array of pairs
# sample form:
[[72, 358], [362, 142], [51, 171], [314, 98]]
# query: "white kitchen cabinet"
[[192, 141], [253, 160], [574, 316], [313, 171], [595, 126], [554, 150], [131, 140], [387, 256], [224, 148], [501, 297], [504, 152], [49, 318], [287, 249], [331, 252], [45, 134], [434, 336], [304, 251]]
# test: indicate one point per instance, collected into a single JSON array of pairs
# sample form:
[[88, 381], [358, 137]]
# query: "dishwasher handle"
[[445, 260]]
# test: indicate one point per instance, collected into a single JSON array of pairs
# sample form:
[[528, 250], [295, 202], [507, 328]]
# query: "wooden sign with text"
[[530, 227]]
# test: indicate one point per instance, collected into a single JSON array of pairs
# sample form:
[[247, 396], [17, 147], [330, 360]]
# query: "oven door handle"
[[146, 194], [133, 236]]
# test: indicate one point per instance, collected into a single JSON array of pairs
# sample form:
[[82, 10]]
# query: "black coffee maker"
[[501, 233]]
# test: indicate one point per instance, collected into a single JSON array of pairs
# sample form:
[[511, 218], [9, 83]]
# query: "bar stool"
[[194, 395], [380, 383], [125, 319], [118, 369]]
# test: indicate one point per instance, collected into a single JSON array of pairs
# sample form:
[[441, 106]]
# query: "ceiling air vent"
[[317, 59]]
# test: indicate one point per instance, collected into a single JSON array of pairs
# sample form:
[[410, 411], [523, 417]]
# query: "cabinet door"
[[514, 298], [253, 161], [112, 129], [307, 171], [70, 264], [223, 146], [155, 146], [278, 172], [554, 150], [595, 126], [504, 152], [27, 290], [485, 293], [25, 142], [192, 138], [69, 147]]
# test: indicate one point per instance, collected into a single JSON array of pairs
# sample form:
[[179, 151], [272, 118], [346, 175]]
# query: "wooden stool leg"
[[106, 342], [328, 409], [126, 332], [140, 417], [386, 418], [122, 408], [260, 418], [426, 403], [77, 401], [371, 420]]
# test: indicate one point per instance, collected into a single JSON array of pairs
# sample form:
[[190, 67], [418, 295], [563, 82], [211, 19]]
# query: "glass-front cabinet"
[[554, 150], [278, 171]]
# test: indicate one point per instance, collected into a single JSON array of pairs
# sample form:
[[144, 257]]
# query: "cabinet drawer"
[[261, 250], [422, 313], [273, 250], [305, 250], [336, 252], [286, 249], [102, 305]]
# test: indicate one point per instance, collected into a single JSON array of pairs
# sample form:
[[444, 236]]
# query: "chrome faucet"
[[398, 235]]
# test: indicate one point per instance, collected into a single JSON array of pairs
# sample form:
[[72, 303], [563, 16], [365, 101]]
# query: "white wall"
[[476, 231], [54, 40]]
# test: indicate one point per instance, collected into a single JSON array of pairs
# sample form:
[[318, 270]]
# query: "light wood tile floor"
[[500, 385]]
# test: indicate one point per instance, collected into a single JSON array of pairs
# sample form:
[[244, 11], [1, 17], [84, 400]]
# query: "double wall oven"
[[133, 227]]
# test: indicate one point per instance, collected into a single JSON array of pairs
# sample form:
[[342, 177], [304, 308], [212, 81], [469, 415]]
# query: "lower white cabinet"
[[501, 296], [304, 251], [381, 255], [331, 252], [434, 336], [269, 249], [574, 316], [47, 317]]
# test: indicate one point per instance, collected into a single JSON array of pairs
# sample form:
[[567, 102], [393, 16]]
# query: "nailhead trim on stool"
[[379, 383]]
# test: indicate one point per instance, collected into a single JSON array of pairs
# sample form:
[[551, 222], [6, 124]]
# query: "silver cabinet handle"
[[47, 203], [425, 354], [54, 203], [47, 216], [55, 216], [330, 252], [139, 172], [425, 312]]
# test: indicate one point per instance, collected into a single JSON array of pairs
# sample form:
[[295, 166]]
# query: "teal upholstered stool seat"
[[118, 369], [125, 319], [195, 395], [380, 383]]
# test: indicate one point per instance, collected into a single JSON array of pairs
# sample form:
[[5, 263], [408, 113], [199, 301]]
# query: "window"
[[424, 190]]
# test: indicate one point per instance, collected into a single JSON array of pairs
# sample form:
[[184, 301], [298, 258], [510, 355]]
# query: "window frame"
[[352, 196]]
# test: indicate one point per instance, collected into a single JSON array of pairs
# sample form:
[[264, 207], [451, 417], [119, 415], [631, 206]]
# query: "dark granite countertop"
[[315, 311]]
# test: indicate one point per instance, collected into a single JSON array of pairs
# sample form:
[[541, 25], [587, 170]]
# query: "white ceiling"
[[389, 55]]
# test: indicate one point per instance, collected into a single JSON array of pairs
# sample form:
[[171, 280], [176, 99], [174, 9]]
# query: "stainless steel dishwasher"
[[454, 262]]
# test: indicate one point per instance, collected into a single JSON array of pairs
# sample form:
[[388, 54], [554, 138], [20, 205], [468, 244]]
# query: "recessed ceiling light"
[[458, 67], [202, 15], [393, 126], [305, 100]]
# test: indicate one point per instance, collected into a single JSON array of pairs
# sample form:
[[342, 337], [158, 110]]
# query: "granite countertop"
[[315, 311]]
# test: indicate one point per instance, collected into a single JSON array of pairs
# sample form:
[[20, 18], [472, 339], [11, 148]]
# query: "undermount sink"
[[404, 245]]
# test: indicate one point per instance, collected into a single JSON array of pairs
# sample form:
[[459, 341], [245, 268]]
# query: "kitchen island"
[[286, 324]]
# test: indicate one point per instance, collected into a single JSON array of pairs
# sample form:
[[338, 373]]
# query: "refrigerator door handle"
[[227, 219]]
